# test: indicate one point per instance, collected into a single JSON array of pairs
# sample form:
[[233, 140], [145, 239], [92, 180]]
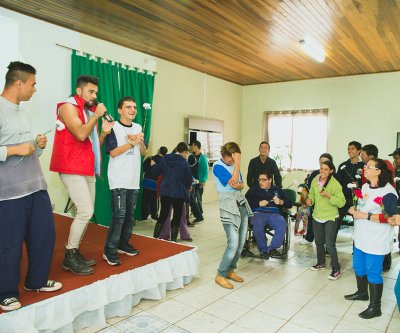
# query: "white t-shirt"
[[124, 169], [369, 236]]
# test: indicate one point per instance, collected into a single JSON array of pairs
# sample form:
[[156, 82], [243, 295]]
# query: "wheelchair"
[[289, 215], [246, 252]]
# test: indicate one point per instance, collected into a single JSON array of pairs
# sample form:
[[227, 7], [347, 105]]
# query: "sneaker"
[[275, 253], [112, 259], [334, 275], [198, 220], [304, 241], [127, 249], [264, 255], [317, 267], [10, 304], [49, 286]]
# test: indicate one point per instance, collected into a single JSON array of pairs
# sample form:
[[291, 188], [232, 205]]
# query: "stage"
[[111, 291]]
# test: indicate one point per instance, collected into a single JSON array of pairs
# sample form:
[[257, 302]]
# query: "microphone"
[[106, 116]]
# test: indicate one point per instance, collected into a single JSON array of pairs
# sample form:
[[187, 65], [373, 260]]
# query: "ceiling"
[[243, 41]]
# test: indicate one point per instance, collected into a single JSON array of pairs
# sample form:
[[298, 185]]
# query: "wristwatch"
[[369, 216]]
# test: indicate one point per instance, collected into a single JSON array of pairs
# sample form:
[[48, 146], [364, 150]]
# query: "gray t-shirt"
[[18, 178]]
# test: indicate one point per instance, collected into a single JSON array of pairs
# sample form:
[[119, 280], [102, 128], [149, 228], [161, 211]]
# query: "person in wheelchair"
[[267, 202]]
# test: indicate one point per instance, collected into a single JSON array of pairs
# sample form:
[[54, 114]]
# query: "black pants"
[[196, 201], [177, 205], [28, 219], [325, 234], [149, 204]]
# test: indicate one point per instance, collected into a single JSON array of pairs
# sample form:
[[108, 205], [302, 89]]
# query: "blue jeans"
[[123, 203], [236, 239], [369, 265], [273, 220]]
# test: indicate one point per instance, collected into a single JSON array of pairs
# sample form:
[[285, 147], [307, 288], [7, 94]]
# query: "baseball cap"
[[396, 152]]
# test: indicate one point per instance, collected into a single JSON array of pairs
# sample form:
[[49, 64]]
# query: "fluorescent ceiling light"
[[313, 50]]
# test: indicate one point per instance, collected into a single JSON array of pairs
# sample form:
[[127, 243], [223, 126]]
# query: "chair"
[[246, 252]]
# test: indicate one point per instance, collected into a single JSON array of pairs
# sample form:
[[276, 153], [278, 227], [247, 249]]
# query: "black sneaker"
[[317, 267], [112, 259], [334, 275], [264, 255], [10, 304], [49, 286], [199, 219], [275, 253], [127, 249]]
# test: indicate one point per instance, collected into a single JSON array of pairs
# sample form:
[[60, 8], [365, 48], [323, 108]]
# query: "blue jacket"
[[177, 176]]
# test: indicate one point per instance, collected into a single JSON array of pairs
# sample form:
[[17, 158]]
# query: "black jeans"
[[196, 201], [325, 234], [123, 203], [149, 204], [177, 205]]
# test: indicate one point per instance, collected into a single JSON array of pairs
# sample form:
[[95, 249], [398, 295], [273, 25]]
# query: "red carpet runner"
[[150, 250]]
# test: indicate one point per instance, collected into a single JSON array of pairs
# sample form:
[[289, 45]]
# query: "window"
[[297, 138]]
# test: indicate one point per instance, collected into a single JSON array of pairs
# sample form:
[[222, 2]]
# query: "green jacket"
[[324, 208], [203, 169]]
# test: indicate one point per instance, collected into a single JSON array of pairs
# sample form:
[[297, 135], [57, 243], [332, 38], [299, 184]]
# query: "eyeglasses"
[[262, 179], [366, 166]]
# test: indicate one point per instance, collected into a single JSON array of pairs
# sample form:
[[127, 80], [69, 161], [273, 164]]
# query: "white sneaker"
[[10, 304], [49, 286], [304, 241]]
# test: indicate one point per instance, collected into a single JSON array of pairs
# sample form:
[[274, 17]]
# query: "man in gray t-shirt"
[[25, 207]]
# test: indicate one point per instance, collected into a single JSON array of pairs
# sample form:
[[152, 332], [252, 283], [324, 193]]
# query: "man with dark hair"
[[126, 146], [267, 202], [25, 208], [349, 172], [149, 184], [263, 163], [199, 166], [76, 157]]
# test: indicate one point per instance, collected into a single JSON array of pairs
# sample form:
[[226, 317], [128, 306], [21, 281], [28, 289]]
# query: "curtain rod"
[[104, 59]]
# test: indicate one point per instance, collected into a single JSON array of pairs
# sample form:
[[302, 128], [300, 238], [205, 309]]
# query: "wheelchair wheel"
[[286, 243]]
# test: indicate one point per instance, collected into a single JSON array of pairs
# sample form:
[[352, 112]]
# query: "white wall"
[[179, 91], [364, 108]]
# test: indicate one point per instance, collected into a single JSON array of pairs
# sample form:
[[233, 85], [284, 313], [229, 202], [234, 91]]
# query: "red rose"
[[358, 193]]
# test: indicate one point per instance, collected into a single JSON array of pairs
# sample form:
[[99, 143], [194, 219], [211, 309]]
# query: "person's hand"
[[100, 110], [25, 149], [263, 203], [359, 215], [351, 210], [277, 201], [236, 157], [41, 141], [152, 163], [394, 220], [106, 126], [325, 194]]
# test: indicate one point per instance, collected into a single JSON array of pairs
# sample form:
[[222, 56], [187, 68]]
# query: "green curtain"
[[114, 82], [141, 87]]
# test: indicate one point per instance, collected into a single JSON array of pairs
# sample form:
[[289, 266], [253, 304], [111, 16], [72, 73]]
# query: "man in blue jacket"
[[267, 202]]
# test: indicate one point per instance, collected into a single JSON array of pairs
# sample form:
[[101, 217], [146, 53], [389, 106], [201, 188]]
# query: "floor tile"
[[260, 322], [315, 320], [201, 322], [226, 310], [142, 322], [172, 310]]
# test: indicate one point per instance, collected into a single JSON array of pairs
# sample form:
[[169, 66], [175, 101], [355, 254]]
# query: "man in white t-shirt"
[[125, 144]]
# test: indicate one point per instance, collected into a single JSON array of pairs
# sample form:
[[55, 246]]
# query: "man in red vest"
[[76, 157]]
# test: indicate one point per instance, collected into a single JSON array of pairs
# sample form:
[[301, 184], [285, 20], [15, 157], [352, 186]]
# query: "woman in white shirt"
[[372, 234]]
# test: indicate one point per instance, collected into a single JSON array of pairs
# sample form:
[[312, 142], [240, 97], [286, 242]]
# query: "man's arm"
[[69, 115], [277, 174], [250, 174]]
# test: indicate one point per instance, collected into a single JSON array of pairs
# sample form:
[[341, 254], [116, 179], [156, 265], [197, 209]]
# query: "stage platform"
[[111, 291]]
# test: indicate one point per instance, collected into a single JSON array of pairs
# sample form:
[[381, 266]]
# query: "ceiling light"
[[312, 49]]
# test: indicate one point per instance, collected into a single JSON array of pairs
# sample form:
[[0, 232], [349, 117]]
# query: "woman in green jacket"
[[327, 197]]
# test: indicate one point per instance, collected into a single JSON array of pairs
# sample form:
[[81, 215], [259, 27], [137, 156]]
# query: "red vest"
[[70, 155]]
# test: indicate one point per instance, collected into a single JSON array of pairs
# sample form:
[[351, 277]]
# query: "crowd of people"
[[364, 186]]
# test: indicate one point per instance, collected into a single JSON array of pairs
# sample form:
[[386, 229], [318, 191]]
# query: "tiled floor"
[[275, 297]]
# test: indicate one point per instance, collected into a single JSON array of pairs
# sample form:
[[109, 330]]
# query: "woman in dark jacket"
[[175, 187]]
